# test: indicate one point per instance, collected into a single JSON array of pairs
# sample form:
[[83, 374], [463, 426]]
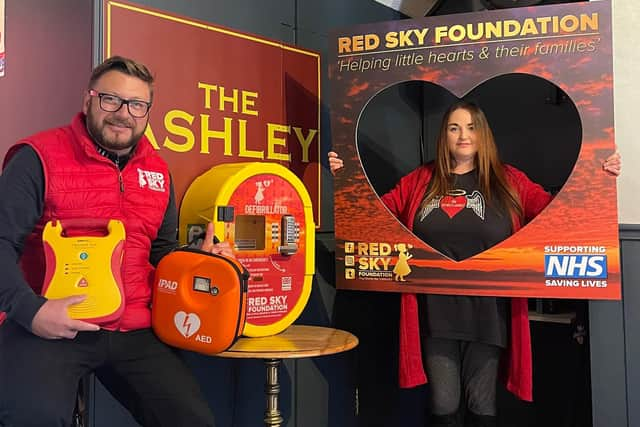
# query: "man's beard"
[[97, 132]]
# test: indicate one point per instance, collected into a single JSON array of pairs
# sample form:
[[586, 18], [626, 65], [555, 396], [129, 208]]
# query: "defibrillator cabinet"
[[264, 211]]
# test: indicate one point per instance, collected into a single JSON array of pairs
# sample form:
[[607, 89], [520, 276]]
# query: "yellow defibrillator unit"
[[84, 256]]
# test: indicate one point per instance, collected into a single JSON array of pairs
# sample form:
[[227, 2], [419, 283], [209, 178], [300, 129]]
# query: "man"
[[95, 168]]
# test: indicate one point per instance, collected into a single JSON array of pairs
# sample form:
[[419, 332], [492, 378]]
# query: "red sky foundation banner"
[[570, 250], [222, 96]]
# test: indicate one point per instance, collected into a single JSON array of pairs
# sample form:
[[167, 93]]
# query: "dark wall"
[[615, 338], [49, 56], [314, 392], [48, 48]]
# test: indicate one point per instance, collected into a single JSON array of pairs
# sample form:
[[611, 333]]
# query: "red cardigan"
[[403, 201]]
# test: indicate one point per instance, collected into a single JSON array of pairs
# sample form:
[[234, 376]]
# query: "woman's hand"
[[335, 162], [613, 164]]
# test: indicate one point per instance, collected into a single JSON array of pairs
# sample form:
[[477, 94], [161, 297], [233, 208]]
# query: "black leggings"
[[453, 366], [39, 378]]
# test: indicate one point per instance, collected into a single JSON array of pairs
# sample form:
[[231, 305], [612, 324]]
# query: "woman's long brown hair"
[[491, 173]]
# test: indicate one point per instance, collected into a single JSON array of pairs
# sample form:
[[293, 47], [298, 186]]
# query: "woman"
[[462, 338]]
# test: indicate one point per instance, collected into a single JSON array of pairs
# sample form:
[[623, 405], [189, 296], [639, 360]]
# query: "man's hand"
[[52, 321], [220, 248]]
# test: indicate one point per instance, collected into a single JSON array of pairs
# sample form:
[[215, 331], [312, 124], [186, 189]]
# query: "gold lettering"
[[305, 142], [233, 99], [272, 141], [243, 151], [178, 130], [206, 133], [248, 100], [207, 93]]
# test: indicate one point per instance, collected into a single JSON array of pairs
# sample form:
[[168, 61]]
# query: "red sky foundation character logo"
[[377, 261]]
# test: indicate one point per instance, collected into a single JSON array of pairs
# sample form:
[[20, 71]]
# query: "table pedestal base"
[[272, 417], [295, 342]]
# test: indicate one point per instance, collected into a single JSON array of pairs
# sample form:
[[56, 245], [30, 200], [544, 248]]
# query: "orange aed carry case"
[[199, 300], [84, 256]]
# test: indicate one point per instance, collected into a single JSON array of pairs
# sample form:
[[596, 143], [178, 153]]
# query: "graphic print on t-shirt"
[[462, 222], [454, 202]]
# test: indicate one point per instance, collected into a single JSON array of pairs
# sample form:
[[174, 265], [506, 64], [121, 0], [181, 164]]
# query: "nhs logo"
[[576, 266]]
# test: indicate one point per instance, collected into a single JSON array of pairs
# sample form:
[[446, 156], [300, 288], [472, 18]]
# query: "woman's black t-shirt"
[[461, 225]]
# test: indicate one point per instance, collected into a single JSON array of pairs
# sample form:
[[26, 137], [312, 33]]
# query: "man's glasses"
[[112, 103]]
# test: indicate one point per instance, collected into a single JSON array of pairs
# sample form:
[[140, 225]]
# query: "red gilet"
[[81, 183], [403, 201]]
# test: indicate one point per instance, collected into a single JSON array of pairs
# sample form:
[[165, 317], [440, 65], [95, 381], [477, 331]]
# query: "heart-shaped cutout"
[[186, 323], [537, 129]]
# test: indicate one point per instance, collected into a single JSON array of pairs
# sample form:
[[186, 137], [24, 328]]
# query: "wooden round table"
[[297, 341]]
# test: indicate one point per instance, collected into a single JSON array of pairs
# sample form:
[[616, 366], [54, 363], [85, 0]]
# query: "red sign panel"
[[222, 96], [570, 249], [277, 279]]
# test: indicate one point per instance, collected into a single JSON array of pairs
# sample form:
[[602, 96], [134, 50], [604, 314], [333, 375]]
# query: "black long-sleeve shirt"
[[21, 206]]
